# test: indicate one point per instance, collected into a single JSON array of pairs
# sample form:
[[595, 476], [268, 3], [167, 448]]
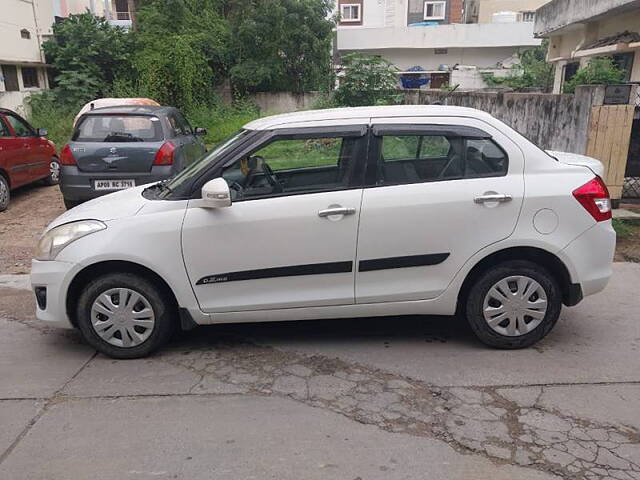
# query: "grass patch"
[[625, 227]]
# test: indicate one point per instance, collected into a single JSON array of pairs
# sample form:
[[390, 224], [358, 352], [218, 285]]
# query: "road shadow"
[[380, 330]]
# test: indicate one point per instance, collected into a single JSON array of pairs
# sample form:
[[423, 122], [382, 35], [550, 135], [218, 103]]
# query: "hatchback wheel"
[[124, 315], [5, 194], [69, 204], [513, 305], [54, 172]]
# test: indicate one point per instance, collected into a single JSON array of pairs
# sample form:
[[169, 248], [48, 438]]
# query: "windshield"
[[202, 164], [118, 128]]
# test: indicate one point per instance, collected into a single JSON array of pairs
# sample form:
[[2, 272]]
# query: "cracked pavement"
[[413, 397]]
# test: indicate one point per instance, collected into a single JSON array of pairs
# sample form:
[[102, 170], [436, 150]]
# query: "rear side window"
[[419, 158], [118, 128]]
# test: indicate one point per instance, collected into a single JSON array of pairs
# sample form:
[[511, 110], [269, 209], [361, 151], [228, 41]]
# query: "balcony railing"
[[123, 16]]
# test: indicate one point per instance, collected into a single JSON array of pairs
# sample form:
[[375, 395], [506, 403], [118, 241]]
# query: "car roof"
[[360, 113], [133, 109]]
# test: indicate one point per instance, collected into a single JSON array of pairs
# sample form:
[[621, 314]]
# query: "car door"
[[438, 191], [31, 157], [289, 237], [9, 153], [193, 146]]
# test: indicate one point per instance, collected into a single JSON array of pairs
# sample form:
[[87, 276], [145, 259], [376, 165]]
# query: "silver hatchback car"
[[114, 148]]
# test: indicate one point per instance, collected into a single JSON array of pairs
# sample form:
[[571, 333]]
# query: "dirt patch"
[[628, 244], [31, 209]]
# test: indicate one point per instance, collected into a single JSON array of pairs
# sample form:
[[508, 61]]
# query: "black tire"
[[54, 177], [5, 193], [69, 204], [475, 304], [164, 310]]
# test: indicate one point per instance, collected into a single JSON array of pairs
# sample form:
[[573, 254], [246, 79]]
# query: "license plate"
[[113, 184]]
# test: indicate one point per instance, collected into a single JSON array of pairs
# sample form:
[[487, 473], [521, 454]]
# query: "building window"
[[122, 10], [24, 33], [350, 12], [10, 74], [434, 10], [30, 77], [440, 51], [528, 16]]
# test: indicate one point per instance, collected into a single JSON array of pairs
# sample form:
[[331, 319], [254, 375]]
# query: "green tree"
[[599, 71], [182, 51], [87, 55], [280, 45], [368, 80], [532, 71]]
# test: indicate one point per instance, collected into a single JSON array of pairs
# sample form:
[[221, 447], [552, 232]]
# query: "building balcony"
[[455, 35], [559, 14]]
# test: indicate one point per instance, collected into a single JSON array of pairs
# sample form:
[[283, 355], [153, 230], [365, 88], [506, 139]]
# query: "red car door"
[[33, 158], [12, 162]]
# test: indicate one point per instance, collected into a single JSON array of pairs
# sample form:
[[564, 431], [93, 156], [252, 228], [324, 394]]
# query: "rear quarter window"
[[118, 128]]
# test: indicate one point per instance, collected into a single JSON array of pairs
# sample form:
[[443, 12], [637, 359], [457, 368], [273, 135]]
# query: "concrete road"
[[392, 398]]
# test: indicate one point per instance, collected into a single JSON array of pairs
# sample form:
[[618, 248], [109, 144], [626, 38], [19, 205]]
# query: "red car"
[[25, 155]]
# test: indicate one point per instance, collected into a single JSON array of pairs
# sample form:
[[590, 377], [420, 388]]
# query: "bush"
[[599, 71], [221, 121], [56, 117], [533, 71], [368, 80]]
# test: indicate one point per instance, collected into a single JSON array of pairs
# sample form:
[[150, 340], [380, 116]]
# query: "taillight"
[[164, 156], [594, 197], [66, 156]]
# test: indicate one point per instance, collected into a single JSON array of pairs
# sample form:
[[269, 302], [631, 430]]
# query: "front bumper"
[[53, 279], [78, 186]]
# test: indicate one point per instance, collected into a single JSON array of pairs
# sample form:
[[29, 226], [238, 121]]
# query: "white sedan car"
[[337, 213]]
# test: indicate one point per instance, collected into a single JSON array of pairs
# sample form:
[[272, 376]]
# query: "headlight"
[[52, 242]]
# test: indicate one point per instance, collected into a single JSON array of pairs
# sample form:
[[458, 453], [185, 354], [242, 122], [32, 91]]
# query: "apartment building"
[[579, 30], [433, 35], [117, 12], [23, 25]]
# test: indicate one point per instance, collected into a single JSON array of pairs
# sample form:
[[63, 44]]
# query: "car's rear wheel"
[[513, 305], [5, 193], [54, 173], [124, 315], [69, 204]]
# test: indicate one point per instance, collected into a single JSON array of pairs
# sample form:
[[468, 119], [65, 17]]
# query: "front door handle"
[[336, 211], [494, 197]]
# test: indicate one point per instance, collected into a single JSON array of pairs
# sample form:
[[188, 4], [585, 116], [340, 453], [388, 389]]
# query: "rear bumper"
[[78, 186], [591, 255]]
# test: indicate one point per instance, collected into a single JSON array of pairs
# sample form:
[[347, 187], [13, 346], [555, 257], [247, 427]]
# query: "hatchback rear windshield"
[[118, 128]]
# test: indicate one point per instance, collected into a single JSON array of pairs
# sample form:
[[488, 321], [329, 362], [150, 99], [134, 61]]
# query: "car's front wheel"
[[124, 315], [5, 193], [513, 305]]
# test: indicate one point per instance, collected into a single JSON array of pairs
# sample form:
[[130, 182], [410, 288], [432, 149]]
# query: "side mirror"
[[216, 194], [42, 132], [200, 132]]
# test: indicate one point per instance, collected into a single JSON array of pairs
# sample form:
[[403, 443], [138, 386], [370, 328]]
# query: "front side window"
[[418, 158], [293, 166], [20, 127], [350, 12], [118, 128], [434, 10]]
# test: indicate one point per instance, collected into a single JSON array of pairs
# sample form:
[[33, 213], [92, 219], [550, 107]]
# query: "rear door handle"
[[336, 211], [494, 197]]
